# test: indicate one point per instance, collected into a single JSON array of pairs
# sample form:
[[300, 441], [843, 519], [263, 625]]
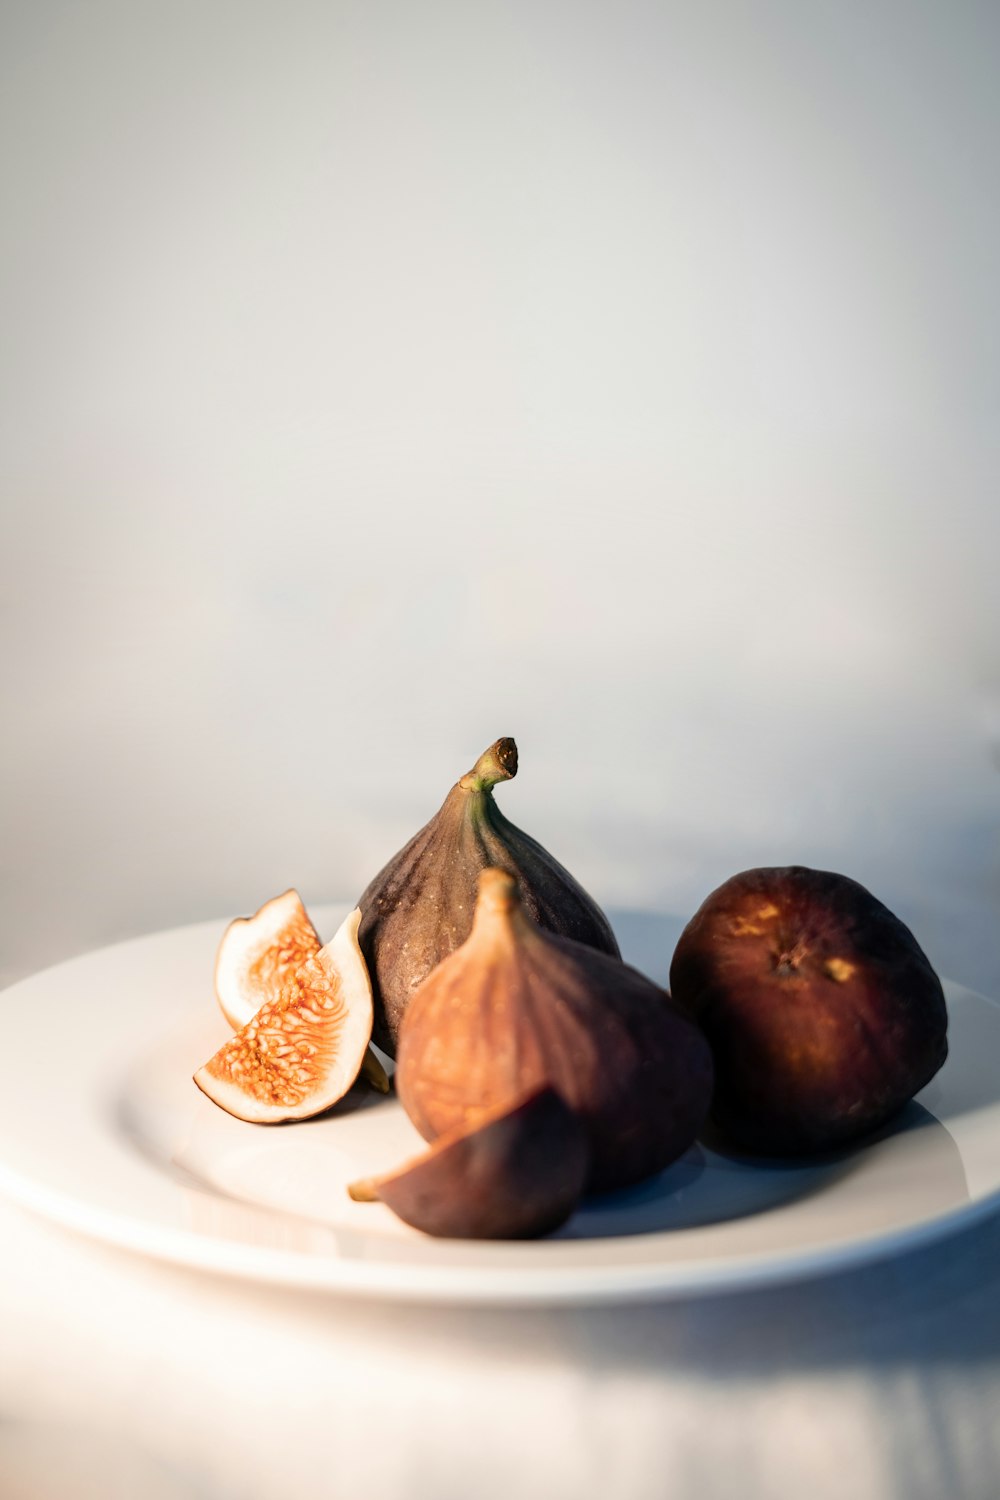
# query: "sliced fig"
[[517, 1008], [419, 908], [517, 1174], [260, 959], [258, 956], [304, 1049]]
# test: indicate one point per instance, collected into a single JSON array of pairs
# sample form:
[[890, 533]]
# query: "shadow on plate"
[[712, 1184]]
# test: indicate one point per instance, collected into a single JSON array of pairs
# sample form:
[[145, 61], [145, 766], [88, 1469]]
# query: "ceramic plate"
[[102, 1129]]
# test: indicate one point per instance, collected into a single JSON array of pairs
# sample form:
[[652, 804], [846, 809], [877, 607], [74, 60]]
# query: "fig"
[[303, 1050], [517, 1174], [823, 1013], [261, 956], [418, 909], [517, 1007]]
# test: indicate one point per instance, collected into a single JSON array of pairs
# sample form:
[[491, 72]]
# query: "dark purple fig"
[[515, 1175], [419, 908], [517, 1007], [823, 1013]]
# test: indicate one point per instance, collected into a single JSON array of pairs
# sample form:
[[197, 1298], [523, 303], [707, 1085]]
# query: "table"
[[121, 1377]]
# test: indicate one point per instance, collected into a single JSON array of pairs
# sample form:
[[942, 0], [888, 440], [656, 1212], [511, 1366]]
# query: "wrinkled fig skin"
[[517, 1007], [823, 1014], [516, 1176], [418, 909]]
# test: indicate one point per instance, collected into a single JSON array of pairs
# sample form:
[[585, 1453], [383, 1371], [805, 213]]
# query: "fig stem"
[[374, 1073], [496, 890], [498, 763], [363, 1191]]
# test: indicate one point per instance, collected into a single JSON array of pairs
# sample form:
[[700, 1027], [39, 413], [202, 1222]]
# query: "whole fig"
[[516, 1008], [418, 909], [823, 1013]]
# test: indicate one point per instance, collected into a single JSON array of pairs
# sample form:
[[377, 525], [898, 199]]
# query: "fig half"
[[258, 955], [419, 908], [519, 1173], [823, 1013], [302, 1051], [262, 958], [517, 1008]]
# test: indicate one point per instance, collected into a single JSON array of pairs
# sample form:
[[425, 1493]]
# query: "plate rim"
[[464, 1286]]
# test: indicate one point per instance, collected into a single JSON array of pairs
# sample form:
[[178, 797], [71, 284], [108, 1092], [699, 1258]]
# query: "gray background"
[[377, 379]]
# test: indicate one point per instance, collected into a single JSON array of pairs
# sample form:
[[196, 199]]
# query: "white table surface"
[[120, 1377]]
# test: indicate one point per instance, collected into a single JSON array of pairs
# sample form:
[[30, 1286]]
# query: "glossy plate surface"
[[105, 1132]]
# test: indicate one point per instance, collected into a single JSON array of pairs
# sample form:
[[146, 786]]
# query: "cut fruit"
[[262, 957], [302, 1050], [517, 1174], [258, 955]]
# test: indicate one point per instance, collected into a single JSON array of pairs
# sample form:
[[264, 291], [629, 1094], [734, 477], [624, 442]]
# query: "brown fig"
[[418, 909], [518, 1174], [517, 1007], [822, 1011]]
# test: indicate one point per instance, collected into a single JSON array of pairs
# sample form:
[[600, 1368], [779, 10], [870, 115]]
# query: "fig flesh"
[[302, 1051], [258, 955], [260, 958], [823, 1013], [519, 1173], [419, 908], [517, 1008]]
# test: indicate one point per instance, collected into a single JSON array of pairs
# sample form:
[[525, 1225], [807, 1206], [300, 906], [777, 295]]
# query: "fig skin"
[[823, 1013], [517, 1175], [517, 1007], [419, 907]]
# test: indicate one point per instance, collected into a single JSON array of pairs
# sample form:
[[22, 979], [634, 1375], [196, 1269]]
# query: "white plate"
[[102, 1129]]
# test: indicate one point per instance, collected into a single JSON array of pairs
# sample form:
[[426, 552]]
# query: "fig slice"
[[518, 1173], [304, 1048], [261, 956]]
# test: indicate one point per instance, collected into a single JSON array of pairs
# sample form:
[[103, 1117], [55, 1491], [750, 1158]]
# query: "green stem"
[[498, 763]]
